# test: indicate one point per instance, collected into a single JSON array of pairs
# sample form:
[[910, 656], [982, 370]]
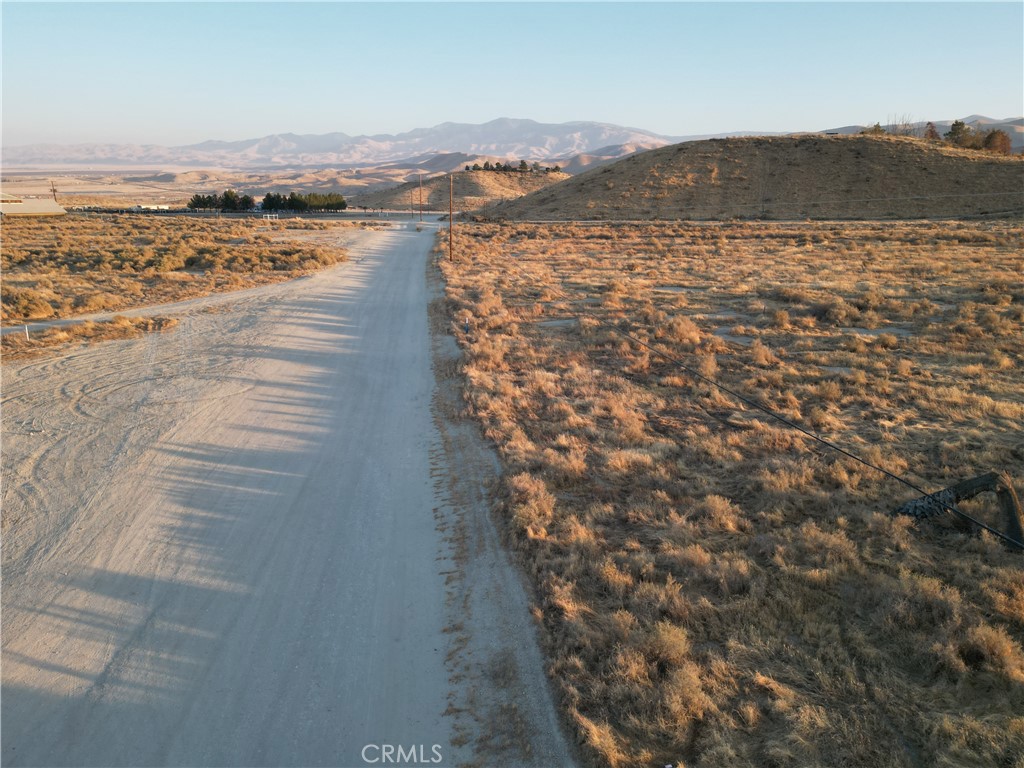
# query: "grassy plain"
[[175, 186], [80, 264], [714, 589]]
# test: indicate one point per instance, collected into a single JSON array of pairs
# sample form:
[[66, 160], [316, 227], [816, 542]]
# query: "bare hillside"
[[818, 177], [472, 190]]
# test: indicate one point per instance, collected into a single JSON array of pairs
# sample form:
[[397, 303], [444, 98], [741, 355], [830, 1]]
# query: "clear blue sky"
[[177, 73]]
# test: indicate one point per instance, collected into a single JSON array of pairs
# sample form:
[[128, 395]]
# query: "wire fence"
[[766, 203]]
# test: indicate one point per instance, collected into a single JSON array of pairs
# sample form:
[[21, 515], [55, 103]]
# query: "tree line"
[[523, 167], [962, 135], [272, 201], [229, 201], [959, 135], [312, 201]]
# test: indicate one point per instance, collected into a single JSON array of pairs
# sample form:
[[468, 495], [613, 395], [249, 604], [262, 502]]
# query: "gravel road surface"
[[246, 542]]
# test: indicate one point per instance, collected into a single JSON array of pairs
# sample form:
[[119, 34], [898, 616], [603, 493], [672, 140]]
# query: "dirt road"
[[244, 542]]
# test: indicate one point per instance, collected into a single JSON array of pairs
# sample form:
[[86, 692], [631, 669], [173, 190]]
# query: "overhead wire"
[[783, 420], [779, 203]]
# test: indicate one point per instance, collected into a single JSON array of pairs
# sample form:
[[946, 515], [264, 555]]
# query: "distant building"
[[29, 206]]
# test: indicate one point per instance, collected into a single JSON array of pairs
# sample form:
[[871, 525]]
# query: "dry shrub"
[[569, 465], [837, 312], [722, 514], [780, 320], [761, 355], [488, 353], [96, 302], [668, 645], [26, 303], [993, 648], [683, 696], [694, 557], [600, 738], [683, 330], [532, 504]]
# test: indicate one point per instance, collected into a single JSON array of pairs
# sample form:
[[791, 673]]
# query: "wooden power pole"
[[451, 215]]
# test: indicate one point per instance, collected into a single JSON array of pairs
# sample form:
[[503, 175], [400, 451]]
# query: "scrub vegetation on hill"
[[471, 190], [713, 589]]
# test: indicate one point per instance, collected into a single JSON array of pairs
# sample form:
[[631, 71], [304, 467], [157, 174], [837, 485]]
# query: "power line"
[[878, 199], [782, 419], [767, 204]]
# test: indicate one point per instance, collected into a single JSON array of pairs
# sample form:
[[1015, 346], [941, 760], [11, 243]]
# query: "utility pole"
[[451, 214], [53, 189], [421, 196]]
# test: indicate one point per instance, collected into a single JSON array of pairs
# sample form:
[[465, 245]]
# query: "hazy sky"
[[177, 73]]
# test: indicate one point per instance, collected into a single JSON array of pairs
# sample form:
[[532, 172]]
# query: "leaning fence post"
[[1000, 483]]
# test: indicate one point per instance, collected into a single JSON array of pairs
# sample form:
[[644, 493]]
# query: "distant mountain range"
[[505, 138], [574, 145]]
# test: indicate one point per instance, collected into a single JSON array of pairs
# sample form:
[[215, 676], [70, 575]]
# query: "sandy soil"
[[249, 541]]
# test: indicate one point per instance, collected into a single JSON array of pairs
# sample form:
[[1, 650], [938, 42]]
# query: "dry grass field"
[[61, 267], [785, 177], [65, 266], [714, 589]]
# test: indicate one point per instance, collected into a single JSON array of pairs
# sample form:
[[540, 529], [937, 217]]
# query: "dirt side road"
[[233, 544]]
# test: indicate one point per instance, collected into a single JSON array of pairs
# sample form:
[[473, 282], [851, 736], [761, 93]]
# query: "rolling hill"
[[472, 190], [808, 176]]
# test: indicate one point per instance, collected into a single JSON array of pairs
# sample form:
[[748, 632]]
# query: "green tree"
[[997, 141], [229, 200], [523, 165], [874, 130], [330, 201], [959, 134]]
